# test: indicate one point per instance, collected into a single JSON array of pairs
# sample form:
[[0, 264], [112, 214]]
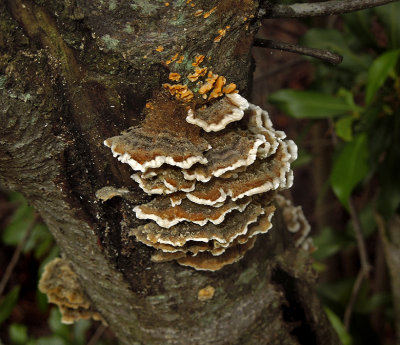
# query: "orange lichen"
[[210, 81], [207, 14], [180, 60], [174, 76], [199, 72], [181, 92], [160, 48], [222, 33], [149, 105], [172, 59], [206, 293], [198, 13], [217, 91], [166, 4], [231, 88], [198, 60]]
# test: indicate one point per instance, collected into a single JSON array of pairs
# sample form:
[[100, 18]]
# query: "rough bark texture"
[[75, 72]]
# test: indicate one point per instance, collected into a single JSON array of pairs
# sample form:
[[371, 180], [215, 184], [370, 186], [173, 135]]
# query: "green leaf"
[[337, 324], [329, 242], [380, 70], [339, 43], [55, 324], [310, 104], [53, 340], [19, 224], [389, 17], [80, 327], [370, 303], [8, 303], [359, 25], [349, 168], [18, 333], [344, 128]]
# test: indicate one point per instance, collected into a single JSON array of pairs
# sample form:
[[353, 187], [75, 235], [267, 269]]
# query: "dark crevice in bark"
[[293, 311]]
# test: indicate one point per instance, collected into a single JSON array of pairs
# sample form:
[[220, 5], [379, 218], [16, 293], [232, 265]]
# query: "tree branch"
[[324, 55], [326, 8]]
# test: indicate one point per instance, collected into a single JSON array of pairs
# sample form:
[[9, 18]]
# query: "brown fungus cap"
[[214, 181], [216, 117], [165, 215], [235, 224], [208, 262]]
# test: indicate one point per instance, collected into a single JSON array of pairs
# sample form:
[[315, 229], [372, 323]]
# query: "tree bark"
[[74, 73]]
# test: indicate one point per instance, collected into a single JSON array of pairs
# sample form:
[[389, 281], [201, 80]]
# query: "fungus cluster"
[[214, 172], [60, 283]]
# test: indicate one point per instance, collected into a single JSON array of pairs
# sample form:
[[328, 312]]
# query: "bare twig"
[[362, 251], [365, 266], [16, 255], [353, 299], [325, 8], [97, 335], [324, 55]]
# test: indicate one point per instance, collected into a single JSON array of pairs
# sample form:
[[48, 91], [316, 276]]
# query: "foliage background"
[[346, 122]]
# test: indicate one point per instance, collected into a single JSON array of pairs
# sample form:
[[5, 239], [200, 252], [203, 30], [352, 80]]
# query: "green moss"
[[128, 28], [246, 276], [3, 80], [111, 43], [112, 5]]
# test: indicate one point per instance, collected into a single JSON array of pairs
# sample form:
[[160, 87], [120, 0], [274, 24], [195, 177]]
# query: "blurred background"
[[345, 120]]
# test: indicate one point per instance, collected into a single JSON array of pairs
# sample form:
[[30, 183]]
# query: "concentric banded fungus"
[[215, 181], [62, 287], [296, 223]]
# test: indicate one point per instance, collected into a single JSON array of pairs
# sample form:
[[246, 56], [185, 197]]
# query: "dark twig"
[[16, 255], [353, 299], [362, 250], [97, 335], [325, 8], [324, 55], [365, 266]]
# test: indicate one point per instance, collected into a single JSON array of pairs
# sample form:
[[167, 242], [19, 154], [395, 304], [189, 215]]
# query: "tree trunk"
[[74, 73]]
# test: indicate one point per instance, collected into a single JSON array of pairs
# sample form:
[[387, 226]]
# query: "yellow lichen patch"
[[206, 293], [180, 59], [209, 83], [198, 13], [231, 88], [174, 76], [160, 48], [198, 60], [192, 4], [172, 59], [217, 91], [222, 33], [199, 72], [207, 14], [166, 4], [181, 92]]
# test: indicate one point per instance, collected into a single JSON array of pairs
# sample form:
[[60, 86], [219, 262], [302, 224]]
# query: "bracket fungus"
[[213, 171], [60, 283], [296, 223]]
